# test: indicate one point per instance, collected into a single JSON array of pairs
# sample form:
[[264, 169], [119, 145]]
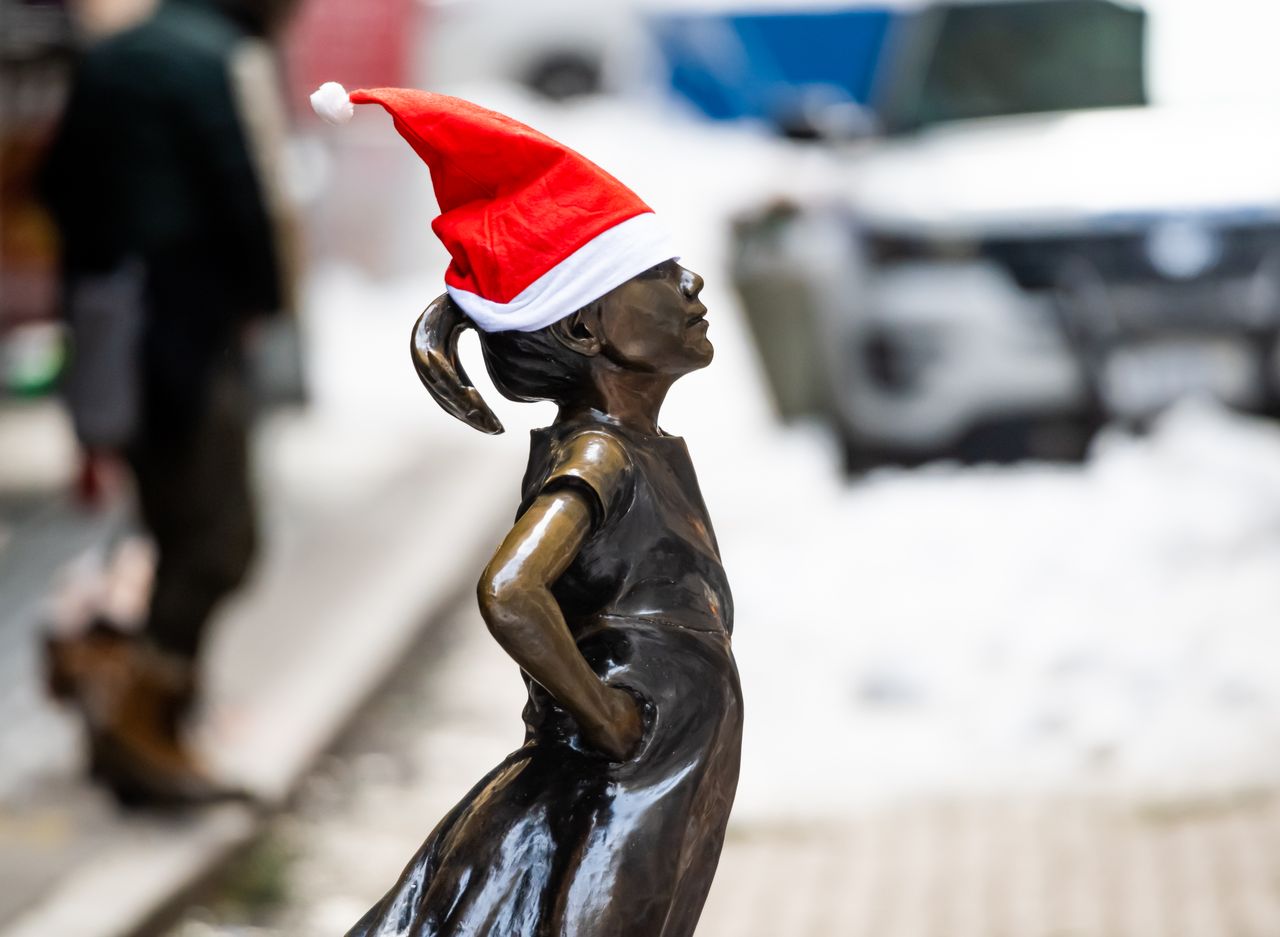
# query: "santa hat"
[[536, 231]]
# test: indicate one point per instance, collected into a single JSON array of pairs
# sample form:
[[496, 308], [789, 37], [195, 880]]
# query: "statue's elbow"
[[501, 598]]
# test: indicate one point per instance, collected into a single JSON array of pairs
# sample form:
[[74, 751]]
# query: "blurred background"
[[990, 442]]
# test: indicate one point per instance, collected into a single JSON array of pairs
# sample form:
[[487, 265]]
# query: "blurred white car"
[[1025, 244]]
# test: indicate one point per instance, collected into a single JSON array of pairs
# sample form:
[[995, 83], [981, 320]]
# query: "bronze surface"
[[609, 594]]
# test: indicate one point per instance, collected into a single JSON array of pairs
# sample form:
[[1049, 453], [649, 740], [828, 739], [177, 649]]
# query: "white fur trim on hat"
[[331, 102], [609, 259]]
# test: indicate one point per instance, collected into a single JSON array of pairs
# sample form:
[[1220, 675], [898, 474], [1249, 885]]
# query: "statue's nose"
[[690, 284]]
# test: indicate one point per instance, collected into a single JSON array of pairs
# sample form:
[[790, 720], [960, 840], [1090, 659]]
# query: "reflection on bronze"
[[609, 594]]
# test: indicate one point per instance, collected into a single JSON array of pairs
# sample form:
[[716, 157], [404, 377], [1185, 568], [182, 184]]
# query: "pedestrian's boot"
[[132, 699]]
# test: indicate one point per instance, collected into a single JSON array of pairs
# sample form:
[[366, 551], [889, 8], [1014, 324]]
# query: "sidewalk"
[[365, 533], [1058, 867]]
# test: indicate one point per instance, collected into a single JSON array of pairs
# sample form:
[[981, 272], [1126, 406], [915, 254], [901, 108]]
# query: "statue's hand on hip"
[[618, 730]]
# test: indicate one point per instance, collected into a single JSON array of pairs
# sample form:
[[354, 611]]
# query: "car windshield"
[[1011, 57]]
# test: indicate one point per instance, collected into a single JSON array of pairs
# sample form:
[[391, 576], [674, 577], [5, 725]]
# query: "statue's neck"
[[627, 397]]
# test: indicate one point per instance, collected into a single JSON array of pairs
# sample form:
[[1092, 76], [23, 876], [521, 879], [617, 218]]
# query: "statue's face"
[[654, 322]]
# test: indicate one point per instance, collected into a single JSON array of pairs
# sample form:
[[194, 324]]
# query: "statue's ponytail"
[[434, 346]]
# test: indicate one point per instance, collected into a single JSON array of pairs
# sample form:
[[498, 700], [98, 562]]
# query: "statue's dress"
[[557, 841]]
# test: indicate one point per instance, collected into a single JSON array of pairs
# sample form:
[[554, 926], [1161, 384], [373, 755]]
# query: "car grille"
[[1124, 257], [1113, 281]]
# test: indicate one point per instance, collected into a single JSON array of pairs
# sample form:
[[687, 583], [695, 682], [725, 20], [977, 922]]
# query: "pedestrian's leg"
[[193, 493], [196, 500]]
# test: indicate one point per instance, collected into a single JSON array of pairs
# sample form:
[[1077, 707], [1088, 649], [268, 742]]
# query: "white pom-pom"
[[330, 101]]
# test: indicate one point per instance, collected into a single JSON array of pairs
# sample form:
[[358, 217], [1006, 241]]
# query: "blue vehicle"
[[786, 66], [775, 66]]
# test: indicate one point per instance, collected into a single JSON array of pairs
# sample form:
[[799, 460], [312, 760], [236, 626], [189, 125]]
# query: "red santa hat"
[[536, 231]]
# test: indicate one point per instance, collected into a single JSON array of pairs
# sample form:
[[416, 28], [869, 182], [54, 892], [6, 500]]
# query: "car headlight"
[[896, 357]]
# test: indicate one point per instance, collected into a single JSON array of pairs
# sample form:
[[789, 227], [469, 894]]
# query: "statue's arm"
[[524, 617]]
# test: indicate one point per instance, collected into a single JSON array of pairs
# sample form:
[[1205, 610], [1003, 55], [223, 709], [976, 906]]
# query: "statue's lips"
[[699, 316]]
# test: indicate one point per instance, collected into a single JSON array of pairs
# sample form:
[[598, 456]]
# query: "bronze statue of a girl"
[[608, 591]]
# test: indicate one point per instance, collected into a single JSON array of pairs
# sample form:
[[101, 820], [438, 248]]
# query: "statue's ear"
[[580, 331]]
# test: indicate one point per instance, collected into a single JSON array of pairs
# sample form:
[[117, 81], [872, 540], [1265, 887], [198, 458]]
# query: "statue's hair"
[[528, 366]]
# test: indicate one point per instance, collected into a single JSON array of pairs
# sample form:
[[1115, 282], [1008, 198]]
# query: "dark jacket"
[[151, 163]]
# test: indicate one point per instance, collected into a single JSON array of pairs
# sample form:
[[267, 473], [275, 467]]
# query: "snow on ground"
[[951, 629], [1035, 627]]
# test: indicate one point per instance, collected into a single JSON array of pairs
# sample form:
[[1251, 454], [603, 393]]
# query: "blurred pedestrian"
[[155, 180]]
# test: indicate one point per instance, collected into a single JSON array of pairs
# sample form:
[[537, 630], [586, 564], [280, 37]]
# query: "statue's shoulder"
[[594, 458], [598, 447]]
